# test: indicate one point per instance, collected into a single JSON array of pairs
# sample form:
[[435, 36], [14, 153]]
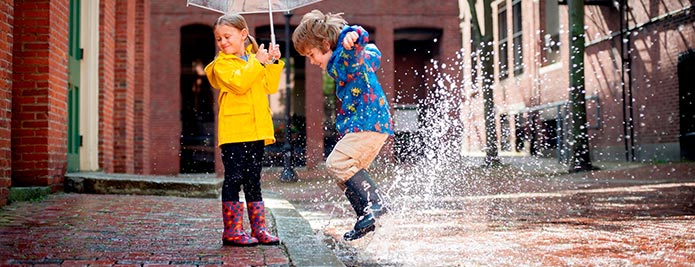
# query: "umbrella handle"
[[272, 28]]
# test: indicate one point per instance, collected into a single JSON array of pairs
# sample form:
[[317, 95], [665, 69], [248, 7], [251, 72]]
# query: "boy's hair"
[[237, 21], [316, 29]]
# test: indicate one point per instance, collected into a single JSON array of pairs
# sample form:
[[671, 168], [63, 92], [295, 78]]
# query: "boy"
[[364, 118]]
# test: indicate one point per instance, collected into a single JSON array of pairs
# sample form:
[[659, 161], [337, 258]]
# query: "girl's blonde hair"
[[317, 29], [237, 21]]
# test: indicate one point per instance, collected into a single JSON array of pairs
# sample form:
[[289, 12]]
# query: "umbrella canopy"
[[251, 6]]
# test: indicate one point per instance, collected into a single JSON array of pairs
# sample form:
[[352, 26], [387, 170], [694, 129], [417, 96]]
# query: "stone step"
[[183, 185]]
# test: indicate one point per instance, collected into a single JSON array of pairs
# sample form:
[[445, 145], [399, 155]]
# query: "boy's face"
[[319, 58]]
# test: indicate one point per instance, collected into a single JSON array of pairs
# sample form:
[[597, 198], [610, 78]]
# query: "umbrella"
[[251, 7]]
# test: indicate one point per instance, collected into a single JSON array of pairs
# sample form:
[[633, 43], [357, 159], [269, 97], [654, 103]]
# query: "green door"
[[75, 55]]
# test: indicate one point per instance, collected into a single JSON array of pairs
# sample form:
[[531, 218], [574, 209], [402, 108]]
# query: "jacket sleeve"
[[272, 77], [354, 58], [229, 77]]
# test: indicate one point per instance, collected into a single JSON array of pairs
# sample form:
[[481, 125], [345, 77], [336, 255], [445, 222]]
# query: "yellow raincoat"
[[244, 113]]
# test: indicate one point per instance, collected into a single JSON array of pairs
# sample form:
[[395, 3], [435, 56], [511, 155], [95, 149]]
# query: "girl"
[[245, 74]]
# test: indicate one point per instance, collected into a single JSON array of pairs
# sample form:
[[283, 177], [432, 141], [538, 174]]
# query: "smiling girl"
[[245, 74]]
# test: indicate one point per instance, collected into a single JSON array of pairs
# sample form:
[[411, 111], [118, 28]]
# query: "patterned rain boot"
[[233, 216], [364, 197], [257, 217]]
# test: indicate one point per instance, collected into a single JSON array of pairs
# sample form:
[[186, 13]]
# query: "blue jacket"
[[364, 105]]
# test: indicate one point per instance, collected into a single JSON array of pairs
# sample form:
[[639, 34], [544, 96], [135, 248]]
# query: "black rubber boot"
[[364, 197]]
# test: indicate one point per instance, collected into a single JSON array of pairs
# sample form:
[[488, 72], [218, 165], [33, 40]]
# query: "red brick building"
[[639, 65], [75, 90]]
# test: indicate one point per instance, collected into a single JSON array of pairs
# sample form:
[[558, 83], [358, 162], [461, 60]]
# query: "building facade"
[[75, 90], [638, 67]]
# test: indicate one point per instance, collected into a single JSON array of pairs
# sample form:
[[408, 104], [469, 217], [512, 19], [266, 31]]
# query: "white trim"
[[89, 85], [548, 68]]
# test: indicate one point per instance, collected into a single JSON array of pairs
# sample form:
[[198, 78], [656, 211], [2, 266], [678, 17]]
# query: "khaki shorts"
[[355, 151]]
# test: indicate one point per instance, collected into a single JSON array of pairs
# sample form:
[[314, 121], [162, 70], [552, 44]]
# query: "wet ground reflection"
[[608, 218]]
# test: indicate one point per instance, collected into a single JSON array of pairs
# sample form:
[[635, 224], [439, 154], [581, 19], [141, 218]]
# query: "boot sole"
[[230, 243], [360, 234]]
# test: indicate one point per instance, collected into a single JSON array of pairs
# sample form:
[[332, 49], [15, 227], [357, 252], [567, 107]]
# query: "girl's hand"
[[262, 54], [349, 40], [274, 54]]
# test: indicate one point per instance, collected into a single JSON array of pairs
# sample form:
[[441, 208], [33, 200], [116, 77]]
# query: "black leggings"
[[242, 166]]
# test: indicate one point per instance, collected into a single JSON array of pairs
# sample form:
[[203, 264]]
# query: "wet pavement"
[[142, 230], [523, 214], [110, 230], [526, 213]]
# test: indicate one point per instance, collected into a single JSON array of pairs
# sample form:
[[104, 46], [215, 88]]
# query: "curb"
[[302, 246]]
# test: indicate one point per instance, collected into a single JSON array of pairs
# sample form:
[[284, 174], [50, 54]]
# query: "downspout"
[[624, 35], [631, 120]]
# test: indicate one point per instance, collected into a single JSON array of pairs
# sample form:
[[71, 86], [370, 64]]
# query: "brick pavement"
[[123, 230]]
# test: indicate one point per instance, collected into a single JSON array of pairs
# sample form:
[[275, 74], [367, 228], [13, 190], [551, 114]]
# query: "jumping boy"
[[364, 118]]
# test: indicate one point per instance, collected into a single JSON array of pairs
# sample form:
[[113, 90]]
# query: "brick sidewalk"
[[122, 230]]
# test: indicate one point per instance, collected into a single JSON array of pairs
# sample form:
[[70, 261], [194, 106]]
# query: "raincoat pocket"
[[237, 110]]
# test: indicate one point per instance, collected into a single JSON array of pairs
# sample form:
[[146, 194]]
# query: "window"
[[502, 42], [550, 26], [517, 35]]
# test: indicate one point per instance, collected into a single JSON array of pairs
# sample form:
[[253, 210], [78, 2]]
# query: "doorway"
[[74, 57], [197, 101], [686, 100], [414, 49]]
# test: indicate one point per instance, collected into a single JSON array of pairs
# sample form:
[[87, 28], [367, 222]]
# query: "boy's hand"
[[349, 40]]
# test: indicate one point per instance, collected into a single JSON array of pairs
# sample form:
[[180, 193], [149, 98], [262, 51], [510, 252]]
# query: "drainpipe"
[[625, 69], [288, 173], [630, 107]]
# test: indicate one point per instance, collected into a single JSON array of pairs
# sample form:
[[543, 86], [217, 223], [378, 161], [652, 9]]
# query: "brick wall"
[[124, 101], [165, 122], [142, 88], [655, 47], [6, 40], [107, 47], [655, 77], [39, 94]]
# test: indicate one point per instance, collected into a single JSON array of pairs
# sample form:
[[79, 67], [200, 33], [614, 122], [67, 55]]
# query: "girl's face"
[[230, 40], [319, 58]]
